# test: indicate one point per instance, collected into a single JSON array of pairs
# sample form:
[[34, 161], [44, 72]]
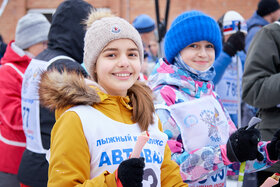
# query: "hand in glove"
[[243, 145], [130, 172], [236, 42], [273, 148]]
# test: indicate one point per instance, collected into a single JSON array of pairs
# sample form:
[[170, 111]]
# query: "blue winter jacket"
[[254, 24]]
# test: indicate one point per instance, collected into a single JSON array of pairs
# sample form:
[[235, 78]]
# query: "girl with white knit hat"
[[97, 126], [200, 132]]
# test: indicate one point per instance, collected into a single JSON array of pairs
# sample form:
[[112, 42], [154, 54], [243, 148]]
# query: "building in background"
[[127, 9]]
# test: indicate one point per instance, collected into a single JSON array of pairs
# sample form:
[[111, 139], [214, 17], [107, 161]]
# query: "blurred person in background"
[[145, 25], [229, 68], [268, 11], [30, 39], [64, 51], [229, 65]]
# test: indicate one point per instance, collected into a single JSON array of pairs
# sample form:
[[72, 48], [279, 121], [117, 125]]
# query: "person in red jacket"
[[30, 39]]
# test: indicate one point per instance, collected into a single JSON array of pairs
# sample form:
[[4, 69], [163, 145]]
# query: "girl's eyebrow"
[[133, 49], [109, 49], [115, 49]]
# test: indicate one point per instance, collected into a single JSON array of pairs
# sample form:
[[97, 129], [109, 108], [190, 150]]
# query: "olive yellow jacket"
[[69, 163]]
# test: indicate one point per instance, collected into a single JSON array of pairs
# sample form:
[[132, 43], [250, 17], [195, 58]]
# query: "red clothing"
[[23, 185], [142, 77], [12, 138]]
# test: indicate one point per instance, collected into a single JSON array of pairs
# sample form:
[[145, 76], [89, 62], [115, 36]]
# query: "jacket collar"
[[168, 74]]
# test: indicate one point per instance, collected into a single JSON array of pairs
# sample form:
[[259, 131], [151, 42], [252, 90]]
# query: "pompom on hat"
[[104, 27], [189, 27], [31, 29], [266, 7]]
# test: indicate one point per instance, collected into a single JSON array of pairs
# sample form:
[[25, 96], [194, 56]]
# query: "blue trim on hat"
[[145, 30], [144, 23], [190, 27]]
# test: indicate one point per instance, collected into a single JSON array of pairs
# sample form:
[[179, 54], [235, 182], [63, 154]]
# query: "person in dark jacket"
[[261, 86], [64, 51]]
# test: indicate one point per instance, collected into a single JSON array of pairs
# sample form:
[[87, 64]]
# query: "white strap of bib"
[[11, 142], [61, 57], [162, 106], [15, 68]]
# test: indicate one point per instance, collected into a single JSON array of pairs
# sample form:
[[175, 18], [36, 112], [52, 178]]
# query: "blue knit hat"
[[189, 27], [144, 23]]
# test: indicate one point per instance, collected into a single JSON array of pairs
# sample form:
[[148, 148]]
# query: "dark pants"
[[250, 180], [8, 180]]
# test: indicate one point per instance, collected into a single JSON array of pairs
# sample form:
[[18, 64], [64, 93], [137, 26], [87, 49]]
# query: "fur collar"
[[58, 90]]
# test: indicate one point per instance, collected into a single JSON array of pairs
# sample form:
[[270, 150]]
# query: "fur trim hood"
[[58, 90]]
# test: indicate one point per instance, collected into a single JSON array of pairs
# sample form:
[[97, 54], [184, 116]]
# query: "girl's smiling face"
[[199, 55], [118, 66]]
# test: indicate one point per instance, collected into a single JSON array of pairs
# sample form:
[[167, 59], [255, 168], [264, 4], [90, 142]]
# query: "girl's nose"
[[123, 61], [202, 52]]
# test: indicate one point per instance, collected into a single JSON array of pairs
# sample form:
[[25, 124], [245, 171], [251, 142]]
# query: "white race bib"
[[227, 87], [202, 122]]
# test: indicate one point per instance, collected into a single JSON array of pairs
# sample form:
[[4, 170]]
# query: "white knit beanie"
[[31, 29], [103, 27]]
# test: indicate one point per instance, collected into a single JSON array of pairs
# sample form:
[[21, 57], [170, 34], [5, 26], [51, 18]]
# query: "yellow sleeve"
[[170, 172], [69, 163]]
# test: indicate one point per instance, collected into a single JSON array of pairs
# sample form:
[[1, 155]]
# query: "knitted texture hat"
[[31, 29], [189, 27], [266, 7], [144, 23], [103, 27]]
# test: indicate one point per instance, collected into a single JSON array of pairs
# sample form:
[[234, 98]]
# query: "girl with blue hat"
[[202, 137]]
